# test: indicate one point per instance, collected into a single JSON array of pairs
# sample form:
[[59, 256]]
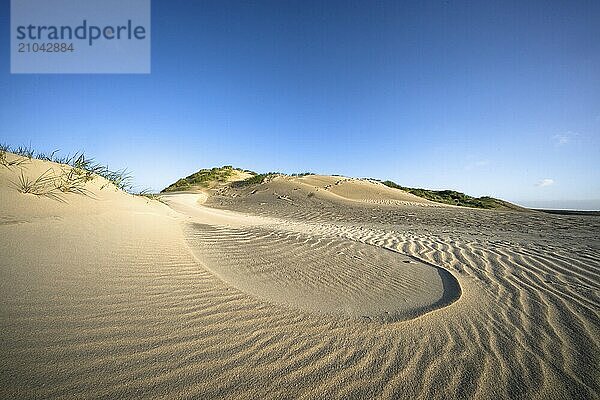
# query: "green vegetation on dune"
[[256, 179], [84, 167], [203, 178], [206, 177], [455, 198], [301, 174]]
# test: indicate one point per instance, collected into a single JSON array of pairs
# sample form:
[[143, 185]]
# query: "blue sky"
[[489, 98]]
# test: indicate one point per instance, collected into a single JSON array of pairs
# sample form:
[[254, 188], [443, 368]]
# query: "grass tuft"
[[85, 167], [52, 185], [46, 157], [24, 151], [39, 186], [147, 193], [43, 185], [4, 148], [73, 181]]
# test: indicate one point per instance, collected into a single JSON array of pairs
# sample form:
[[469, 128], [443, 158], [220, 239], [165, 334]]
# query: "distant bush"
[[393, 185], [303, 174], [451, 197], [256, 179], [202, 178]]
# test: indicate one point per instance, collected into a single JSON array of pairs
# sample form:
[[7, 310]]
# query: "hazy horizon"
[[487, 99]]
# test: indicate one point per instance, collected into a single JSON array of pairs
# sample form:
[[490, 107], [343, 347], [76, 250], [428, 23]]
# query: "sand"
[[353, 291]]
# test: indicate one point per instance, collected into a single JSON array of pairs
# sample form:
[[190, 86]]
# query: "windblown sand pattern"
[[324, 274], [118, 297]]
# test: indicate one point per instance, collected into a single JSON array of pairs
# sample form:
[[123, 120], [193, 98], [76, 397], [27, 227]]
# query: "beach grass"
[[84, 168], [451, 197]]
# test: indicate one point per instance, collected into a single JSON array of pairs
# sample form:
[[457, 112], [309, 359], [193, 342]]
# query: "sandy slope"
[[327, 188], [117, 296]]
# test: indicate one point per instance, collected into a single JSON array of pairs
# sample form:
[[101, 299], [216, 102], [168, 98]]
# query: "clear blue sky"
[[498, 98]]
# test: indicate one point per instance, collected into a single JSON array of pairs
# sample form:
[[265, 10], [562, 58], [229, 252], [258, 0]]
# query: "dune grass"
[[52, 184], [202, 178], [452, 197], [83, 168], [301, 174], [87, 167], [150, 195], [4, 148], [73, 181], [256, 179], [40, 186], [24, 151], [205, 177]]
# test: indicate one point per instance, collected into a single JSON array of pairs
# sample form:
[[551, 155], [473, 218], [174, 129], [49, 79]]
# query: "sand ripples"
[[139, 316], [322, 273]]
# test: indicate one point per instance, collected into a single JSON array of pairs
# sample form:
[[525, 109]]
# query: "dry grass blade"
[[43, 185], [147, 193], [4, 161], [85, 168], [13, 163], [25, 151], [73, 181]]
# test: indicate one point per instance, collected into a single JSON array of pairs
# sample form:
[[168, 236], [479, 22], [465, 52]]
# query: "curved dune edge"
[[291, 265], [322, 275]]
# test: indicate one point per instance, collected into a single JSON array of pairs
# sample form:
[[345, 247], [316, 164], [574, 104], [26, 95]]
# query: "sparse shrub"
[[451, 197], [202, 178], [301, 174], [256, 179]]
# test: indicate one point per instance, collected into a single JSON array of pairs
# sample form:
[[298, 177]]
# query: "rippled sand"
[[282, 294]]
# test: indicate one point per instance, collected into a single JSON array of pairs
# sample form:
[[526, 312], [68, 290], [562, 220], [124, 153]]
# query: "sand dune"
[[360, 189], [326, 188], [304, 266], [117, 296]]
